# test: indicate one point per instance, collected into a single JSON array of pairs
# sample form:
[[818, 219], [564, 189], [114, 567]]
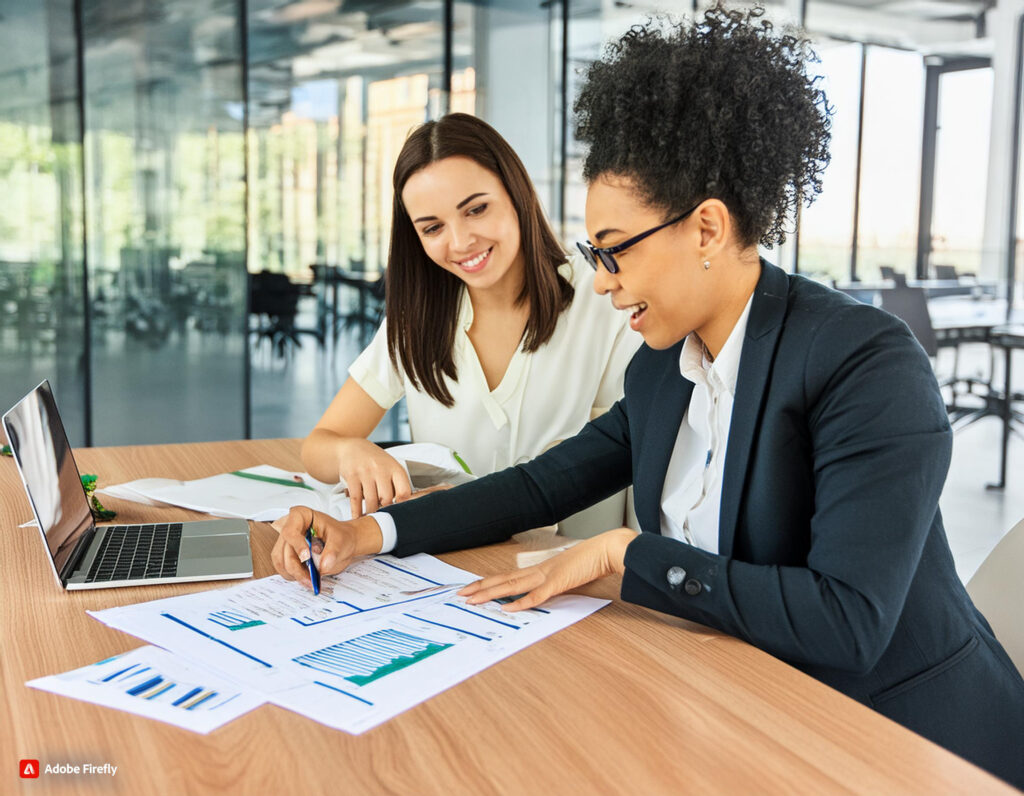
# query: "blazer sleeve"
[[573, 475], [880, 448]]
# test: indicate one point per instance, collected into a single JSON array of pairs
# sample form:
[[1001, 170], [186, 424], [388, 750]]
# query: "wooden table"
[[625, 701]]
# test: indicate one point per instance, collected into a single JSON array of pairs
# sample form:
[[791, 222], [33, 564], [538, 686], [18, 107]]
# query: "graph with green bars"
[[367, 658]]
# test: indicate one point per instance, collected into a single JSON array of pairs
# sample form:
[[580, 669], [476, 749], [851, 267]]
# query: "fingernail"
[[327, 561], [304, 555]]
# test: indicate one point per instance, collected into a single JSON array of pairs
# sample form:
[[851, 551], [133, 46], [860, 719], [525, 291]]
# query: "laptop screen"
[[40, 445]]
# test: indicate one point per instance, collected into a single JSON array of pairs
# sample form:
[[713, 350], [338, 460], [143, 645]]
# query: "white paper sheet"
[[154, 683], [265, 493], [380, 638]]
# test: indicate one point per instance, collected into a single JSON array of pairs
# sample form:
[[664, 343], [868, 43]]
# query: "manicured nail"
[[303, 555]]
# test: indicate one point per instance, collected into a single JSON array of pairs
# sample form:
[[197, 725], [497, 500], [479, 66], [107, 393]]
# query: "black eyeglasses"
[[593, 254]]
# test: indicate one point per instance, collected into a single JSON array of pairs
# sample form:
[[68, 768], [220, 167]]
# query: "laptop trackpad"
[[214, 555]]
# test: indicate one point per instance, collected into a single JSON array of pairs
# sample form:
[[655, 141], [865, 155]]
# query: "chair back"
[[274, 295], [910, 304], [997, 590]]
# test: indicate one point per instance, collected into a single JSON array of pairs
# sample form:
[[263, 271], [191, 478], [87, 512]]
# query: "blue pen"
[[314, 575]]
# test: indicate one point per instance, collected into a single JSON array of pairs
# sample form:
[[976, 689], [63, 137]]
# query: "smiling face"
[[661, 282], [466, 223]]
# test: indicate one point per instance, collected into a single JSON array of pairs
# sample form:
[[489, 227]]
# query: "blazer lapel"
[[672, 396], [763, 327]]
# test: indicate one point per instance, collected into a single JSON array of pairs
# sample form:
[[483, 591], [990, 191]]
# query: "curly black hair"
[[723, 108]]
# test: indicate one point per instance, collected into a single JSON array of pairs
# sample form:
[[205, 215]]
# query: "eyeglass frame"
[[607, 254]]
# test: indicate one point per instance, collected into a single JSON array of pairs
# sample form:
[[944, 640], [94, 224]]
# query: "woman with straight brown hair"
[[491, 334]]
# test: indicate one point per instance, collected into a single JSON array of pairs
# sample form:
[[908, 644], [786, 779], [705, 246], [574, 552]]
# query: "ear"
[[714, 226]]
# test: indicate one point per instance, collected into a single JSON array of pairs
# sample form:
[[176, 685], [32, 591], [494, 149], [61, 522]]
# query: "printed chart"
[[369, 657], [381, 637], [152, 682]]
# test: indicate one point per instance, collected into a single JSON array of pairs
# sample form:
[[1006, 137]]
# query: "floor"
[[975, 517], [289, 395]]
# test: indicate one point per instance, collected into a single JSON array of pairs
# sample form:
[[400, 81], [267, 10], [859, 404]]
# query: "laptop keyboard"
[[136, 552]]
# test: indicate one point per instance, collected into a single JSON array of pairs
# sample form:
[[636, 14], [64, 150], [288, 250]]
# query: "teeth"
[[637, 308], [476, 260]]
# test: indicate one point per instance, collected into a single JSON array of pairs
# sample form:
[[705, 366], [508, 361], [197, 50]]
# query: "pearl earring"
[[707, 264]]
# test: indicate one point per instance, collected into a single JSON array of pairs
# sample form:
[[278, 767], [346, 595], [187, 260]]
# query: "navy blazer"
[[832, 555]]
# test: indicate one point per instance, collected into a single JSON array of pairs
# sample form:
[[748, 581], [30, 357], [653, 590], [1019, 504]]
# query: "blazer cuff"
[[673, 577]]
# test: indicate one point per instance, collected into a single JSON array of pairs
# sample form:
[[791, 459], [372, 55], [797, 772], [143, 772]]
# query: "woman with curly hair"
[[787, 445]]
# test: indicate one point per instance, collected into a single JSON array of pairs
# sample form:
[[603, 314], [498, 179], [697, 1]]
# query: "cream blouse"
[[543, 398]]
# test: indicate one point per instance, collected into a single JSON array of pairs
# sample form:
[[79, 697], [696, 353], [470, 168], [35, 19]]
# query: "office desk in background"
[[626, 701]]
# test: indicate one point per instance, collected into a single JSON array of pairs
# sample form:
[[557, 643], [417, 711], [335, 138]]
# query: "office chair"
[[275, 297], [910, 304], [997, 590], [887, 271]]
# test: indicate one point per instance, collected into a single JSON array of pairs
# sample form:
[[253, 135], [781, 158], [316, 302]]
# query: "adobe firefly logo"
[[28, 769]]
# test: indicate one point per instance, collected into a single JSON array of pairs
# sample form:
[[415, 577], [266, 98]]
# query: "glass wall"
[[42, 312], [890, 178], [220, 147], [332, 96], [165, 219], [961, 171], [826, 226]]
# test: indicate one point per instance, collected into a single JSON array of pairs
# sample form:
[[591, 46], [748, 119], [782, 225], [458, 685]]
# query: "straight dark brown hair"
[[422, 298]]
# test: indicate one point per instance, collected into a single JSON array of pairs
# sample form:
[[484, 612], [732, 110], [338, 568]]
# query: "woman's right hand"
[[371, 475], [341, 543]]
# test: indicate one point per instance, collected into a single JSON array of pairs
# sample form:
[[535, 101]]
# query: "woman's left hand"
[[587, 561]]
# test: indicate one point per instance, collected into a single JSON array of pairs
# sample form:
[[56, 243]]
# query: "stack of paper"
[[381, 637], [266, 493]]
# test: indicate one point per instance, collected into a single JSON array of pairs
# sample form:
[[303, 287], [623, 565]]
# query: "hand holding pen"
[[304, 532]]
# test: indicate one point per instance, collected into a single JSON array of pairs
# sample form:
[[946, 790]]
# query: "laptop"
[[89, 556]]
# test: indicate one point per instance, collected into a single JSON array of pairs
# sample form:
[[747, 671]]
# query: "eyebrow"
[[459, 206], [604, 233]]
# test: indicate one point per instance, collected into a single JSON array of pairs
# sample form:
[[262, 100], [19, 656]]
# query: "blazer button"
[[692, 587], [675, 576]]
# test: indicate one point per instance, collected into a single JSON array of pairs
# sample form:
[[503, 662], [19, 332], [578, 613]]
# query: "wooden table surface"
[[625, 701]]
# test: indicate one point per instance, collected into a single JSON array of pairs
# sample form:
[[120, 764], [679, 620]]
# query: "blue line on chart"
[[162, 691], [346, 693], [110, 677], [407, 572], [211, 695], [364, 610], [222, 704], [136, 690], [484, 616], [447, 627], [214, 638], [187, 696]]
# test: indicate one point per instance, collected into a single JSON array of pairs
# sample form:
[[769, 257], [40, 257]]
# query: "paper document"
[[154, 683], [265, 493], [380, 637]]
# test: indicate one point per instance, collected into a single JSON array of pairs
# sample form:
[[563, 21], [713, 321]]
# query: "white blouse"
[[544, 397]]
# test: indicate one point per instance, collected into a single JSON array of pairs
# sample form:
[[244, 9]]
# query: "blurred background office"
[[195, 194]]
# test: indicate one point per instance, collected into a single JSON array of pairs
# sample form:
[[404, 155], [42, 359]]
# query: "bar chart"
[[234, 620], [145, 682], [367, 658]]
